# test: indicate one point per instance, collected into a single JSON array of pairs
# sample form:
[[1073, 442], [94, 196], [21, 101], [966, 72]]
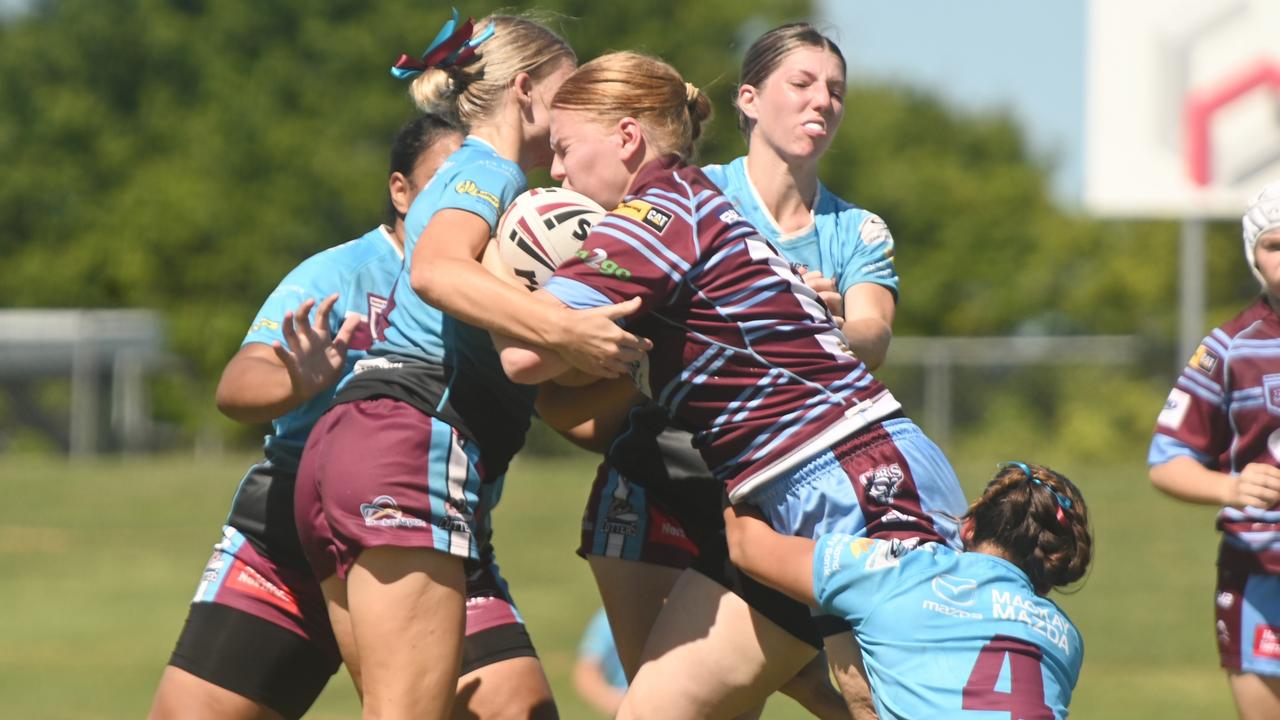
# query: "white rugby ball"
[[542, 228]]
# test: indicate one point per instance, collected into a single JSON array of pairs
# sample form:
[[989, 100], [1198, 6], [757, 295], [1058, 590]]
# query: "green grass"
[[99, 559]]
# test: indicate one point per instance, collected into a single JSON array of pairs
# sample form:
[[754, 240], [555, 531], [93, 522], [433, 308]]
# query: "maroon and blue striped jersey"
[[1224, 411], [745, 354]]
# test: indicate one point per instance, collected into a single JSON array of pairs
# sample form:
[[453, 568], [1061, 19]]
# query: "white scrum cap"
[[1262, 216]]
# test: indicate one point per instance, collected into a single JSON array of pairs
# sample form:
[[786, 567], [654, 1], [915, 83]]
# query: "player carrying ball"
[[745, 353]]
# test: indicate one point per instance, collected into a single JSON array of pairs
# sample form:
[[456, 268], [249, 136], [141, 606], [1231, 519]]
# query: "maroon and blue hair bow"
[[453, 45]]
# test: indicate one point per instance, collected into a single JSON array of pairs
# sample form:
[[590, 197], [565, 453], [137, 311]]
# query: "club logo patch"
[[469, 187], [652, 217], [1175, 409], [882, 482], [1271, 392], [383, 512], [1266, 641], [1204, 360]]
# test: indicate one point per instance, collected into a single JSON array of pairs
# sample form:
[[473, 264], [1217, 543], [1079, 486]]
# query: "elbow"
[[230, 406], [522, 366], [422, 278]]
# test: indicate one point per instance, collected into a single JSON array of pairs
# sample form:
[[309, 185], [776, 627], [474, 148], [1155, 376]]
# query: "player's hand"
[[314, 358], [826, 289], [596, 345], [1258, 486]]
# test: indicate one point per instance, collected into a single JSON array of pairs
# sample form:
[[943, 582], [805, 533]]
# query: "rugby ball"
[[542, 228]]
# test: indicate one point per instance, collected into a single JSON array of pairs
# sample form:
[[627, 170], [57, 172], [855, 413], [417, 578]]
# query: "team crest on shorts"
[[457, 516], [882, 483], [383, 512], [621, 518]]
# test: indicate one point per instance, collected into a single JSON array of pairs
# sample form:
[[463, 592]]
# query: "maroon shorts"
[[239, 577], [626, 521], [1247, 614], [380, 473]]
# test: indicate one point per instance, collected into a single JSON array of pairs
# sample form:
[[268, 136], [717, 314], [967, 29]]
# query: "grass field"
[[98, 560]]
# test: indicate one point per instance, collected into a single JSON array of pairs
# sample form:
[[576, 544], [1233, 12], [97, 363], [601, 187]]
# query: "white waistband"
[[855, 418]]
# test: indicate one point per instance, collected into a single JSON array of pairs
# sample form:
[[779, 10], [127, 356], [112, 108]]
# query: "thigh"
[[1257, 697], [633, 594], [710, 655], [407, 619], [501, 675], [511, 689], [185, 696]]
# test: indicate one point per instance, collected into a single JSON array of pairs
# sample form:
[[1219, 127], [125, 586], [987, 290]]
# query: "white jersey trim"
[[855, 418]]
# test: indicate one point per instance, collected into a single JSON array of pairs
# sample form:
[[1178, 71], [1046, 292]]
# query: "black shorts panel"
[[790, 615], [252, 657], [495, 645]]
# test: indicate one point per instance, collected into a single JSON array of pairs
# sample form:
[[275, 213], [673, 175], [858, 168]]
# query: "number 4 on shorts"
[[1025, 698]]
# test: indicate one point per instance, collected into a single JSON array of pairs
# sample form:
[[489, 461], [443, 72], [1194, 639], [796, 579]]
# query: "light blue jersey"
[[362, 272], [476, 179], [948, 634], [845, 242]]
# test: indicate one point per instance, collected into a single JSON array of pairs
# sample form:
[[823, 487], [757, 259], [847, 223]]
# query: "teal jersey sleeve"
[[850, 574], [475, 178], [866, 247]]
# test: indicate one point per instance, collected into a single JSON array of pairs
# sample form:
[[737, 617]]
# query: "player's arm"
[[589, 416], [261, 382], [868, 322], [1183, 477], [783, 562], [444, 271]]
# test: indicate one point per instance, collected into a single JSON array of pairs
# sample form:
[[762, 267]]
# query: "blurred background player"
[[399, 477], [1217, 442], [257, 641], [945, 633], [597, 672], [654, 508]]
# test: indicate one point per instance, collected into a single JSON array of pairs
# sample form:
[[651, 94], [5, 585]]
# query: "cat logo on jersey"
[[469, 187], [655, 218], [264, 323], [1204, 360]]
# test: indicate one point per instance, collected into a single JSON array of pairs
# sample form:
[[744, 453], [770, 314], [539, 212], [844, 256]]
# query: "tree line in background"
[[185, 154]]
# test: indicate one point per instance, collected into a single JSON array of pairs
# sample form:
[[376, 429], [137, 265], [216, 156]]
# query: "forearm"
[[869, 339], [469, 292], [783, 562], [528, 364], [255, 390], [1186, 479]]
